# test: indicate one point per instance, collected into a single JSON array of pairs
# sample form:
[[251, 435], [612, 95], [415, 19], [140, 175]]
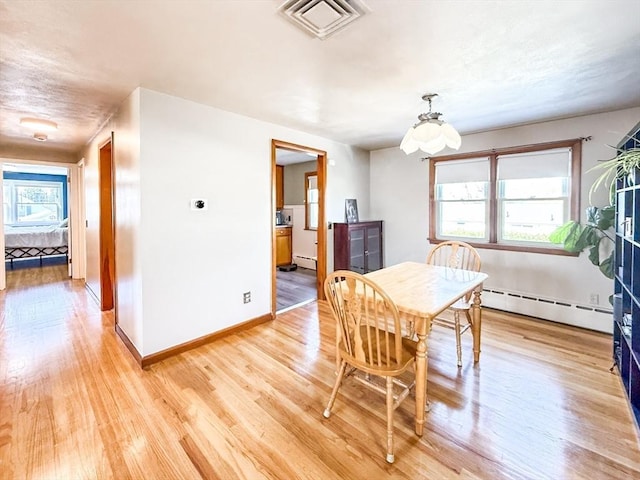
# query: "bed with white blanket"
[[30, 242]]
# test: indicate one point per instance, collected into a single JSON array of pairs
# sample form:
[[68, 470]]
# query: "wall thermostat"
[[199, 204]]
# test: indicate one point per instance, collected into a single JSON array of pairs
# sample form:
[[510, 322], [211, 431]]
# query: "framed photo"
[[351, 210]]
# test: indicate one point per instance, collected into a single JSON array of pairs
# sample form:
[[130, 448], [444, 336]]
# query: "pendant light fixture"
[[430, 134]]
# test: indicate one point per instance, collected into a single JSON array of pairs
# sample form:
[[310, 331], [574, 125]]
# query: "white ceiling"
[[494, 63]]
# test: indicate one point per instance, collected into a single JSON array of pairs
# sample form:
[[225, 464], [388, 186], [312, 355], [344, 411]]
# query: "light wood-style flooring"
[[541, 404], [295, 287]]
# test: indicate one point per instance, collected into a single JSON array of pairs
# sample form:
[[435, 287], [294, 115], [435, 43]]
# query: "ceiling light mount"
[[38, 124], [430, 134], [40, 137]]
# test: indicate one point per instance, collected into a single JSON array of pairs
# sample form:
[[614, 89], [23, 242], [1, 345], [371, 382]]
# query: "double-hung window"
[[510, 198], [533, 195], [311, 198], [28, 202], [462, 190]]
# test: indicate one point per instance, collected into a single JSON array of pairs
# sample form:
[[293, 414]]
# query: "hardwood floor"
[[295, 287], [541, 404]]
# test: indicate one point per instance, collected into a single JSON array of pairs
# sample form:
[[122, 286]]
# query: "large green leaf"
[[567, 234], [594, 253], [592, 213], [607, 266], [605, 217], [589, 237]]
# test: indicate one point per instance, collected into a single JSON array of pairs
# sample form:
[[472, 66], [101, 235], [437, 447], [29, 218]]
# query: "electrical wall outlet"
[[594, 299], [246, 297]]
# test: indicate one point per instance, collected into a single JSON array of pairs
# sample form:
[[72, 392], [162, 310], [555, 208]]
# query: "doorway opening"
[[298, 227], [37, 199]]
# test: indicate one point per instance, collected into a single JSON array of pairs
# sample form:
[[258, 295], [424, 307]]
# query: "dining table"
[[421, 292]]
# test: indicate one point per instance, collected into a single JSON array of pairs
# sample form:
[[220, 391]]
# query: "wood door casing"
[[321, 233], [279, 187]]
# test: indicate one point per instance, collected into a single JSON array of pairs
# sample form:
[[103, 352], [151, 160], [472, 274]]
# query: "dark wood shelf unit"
[[357, 246]]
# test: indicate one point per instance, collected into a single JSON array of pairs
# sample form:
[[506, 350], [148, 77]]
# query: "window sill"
[[514, 248]]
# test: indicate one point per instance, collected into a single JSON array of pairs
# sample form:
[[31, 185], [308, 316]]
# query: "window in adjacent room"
[[507, 199], [311, 198], [33, 199]]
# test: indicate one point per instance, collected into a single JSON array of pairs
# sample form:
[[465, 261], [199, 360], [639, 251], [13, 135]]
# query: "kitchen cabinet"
[[279, 187], [283, 246], [357, 246]]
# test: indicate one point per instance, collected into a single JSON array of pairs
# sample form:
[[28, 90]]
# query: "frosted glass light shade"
[[38, 124], [430, 136]]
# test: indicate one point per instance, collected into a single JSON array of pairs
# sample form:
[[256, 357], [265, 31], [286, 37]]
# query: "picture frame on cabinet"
[[351, 210]]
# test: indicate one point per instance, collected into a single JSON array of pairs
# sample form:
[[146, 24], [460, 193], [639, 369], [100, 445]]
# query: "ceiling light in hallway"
[[38, 124]]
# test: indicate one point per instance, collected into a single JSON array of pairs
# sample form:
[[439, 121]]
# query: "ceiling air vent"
[[322, 18]]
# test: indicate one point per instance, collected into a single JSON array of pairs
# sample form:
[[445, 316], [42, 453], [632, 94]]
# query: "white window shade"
[[542, 164], [462, 171]]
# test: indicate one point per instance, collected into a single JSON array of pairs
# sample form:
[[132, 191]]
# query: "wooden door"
[[107, 243]]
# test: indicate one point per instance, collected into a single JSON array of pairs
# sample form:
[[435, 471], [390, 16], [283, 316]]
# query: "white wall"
[[181, 273], [293, 184], [399, 196], [126, 151], [303, 241]]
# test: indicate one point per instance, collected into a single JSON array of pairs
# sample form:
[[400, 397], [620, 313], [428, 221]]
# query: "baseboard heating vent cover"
[[546, 300], [323, 18]]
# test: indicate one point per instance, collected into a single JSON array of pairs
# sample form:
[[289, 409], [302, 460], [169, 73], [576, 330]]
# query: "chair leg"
[[336, 386], [456, 317], [390, 456]]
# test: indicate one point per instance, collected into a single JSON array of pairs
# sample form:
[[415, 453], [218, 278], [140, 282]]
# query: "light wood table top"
[[424, 291]]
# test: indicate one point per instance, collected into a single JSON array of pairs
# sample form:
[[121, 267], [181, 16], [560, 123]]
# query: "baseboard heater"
[[306, 261], [591, 317]]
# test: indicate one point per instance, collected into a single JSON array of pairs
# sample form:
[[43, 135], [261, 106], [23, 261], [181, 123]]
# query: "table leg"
[[421, 381], [476, 327]]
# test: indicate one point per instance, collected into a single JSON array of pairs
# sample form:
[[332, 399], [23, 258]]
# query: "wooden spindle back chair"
[[458, 255], [369, 339]]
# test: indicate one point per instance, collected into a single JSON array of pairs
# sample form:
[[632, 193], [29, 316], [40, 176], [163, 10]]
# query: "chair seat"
[[409, 348]]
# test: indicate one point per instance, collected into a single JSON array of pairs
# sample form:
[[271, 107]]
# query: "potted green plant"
[[624, 165], [576, 237]]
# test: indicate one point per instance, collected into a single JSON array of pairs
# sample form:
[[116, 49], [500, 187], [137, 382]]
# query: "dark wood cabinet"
[[357, 246]]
